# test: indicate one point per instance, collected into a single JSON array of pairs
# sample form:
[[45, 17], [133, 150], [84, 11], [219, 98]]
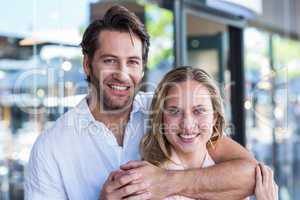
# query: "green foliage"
[[159, 23], [285, 50], [286, 56]]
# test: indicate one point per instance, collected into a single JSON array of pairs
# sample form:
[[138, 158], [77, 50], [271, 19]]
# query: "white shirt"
[[73, 159]]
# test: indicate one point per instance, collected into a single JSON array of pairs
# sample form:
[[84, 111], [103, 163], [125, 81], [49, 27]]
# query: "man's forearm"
[[228, 180]]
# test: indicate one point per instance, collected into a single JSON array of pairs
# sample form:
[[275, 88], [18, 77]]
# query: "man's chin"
[[112, 103], [116, 106]]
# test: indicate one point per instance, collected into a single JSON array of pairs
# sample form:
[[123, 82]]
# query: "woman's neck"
[[194, 159]]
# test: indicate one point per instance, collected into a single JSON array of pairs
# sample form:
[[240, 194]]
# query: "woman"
[[187, 118]]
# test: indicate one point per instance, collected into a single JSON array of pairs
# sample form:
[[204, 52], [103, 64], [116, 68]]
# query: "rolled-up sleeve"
[[43, 179]]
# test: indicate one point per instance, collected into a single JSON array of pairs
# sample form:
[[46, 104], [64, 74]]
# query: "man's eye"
[[110, 61], [133, 63]]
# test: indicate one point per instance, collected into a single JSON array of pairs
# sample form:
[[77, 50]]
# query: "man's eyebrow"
[[114, 56], [107, 55], [135, 57]]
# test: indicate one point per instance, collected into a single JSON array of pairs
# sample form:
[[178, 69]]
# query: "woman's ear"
[[215, 118]]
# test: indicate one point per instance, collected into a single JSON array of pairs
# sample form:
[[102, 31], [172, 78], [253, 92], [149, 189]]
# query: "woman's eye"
[[174, 111], [200, 111]]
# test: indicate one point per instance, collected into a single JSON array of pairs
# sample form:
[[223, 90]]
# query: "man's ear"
[[86, 65]]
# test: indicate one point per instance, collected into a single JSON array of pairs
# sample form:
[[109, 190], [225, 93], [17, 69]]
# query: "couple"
[[92, 151]]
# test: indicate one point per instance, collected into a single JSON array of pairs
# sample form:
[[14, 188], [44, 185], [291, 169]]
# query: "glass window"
[[287, 112], [207, 45], [159, 24], [258, 100], [272, 105], [40, 77]]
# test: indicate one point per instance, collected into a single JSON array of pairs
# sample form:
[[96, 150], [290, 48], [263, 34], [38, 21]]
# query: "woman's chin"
[[187, 149], [191, 147]]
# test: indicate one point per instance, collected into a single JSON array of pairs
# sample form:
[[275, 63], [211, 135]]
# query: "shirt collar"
[[84, 114], [142, 102], [86, 118]]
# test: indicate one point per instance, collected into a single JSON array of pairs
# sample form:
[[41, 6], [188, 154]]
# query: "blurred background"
[[251, 47]]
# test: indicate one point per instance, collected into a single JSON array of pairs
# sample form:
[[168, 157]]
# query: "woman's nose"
[[189, 124]]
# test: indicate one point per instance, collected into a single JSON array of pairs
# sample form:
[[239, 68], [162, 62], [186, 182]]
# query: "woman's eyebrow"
[[199, 106], [171, 106]]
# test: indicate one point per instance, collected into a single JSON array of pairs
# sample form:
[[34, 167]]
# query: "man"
[[80, 156]]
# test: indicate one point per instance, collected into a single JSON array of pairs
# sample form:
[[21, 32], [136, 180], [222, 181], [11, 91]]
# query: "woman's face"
[[188, 116]]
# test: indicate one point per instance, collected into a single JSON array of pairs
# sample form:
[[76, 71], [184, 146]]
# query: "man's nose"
[[122, 72], [123, 67]]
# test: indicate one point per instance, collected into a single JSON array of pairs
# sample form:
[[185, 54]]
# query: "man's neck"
[[115, 121]]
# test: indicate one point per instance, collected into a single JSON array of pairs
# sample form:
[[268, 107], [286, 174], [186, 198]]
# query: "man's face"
[[116, 69]]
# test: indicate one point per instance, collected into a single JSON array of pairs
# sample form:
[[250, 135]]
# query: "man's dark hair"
[[117, 18]]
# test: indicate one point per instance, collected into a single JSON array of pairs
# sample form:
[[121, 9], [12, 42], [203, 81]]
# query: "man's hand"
[[265, 187], [121, 184], [161, 182]]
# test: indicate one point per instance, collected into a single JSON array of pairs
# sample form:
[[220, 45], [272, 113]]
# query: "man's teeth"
[[188, 136], [115, 87]]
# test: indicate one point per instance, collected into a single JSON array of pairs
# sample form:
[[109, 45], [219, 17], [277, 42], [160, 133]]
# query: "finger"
[[264, 173], [126, 179], [132, 164], [276, 187], [119, 174], [143, 196], [133, 189], [111, 175], [276, 191], [272, 176], [108, 185], [114, 174], [140, 192], [140, 180], [269, 177], [258, 176]]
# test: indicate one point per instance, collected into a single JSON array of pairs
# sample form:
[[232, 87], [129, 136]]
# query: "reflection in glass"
[[41, 74], [272, 104]]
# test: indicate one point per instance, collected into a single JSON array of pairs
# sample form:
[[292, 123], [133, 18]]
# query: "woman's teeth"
[[188, 136]]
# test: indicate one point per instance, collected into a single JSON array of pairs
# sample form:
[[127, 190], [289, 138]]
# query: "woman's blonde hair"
[[155, 147]]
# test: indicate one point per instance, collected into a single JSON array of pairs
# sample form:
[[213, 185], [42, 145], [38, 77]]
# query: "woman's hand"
[[265, 187]]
